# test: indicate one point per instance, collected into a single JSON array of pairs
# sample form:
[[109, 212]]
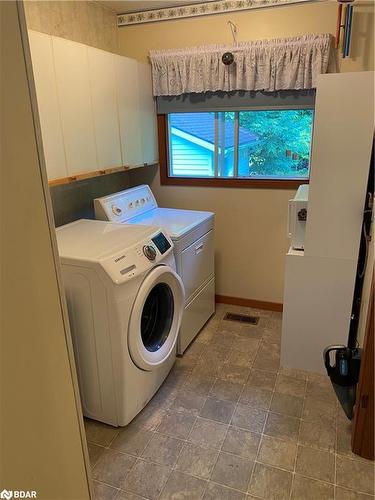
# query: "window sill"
[[233, 183]]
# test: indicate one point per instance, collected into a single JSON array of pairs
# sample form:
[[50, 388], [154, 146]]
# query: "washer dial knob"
[[149, 252]]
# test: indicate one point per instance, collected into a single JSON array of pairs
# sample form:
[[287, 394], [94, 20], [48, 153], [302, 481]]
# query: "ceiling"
[[125, 6]]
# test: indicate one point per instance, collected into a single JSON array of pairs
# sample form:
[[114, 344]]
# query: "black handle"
[[326, 357]]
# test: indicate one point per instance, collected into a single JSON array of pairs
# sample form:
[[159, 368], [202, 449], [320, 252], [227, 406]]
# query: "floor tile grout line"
[[264, 427], [261, 434], [336, 446], [229, 487], [139, 456], [370, 495], [268, 411], [314, 479], [179, 454], [227, 430], [252, 469], [186, 441], [107, 484]]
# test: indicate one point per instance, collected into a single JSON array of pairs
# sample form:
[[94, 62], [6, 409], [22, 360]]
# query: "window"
[[257, 145]]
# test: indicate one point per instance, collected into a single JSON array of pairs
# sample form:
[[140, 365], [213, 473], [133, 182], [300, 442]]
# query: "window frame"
[[243, 182]]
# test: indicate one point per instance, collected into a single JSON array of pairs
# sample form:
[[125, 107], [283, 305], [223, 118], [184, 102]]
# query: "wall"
[[136, 41], [82, 21], [41, 426], [76, 200], [250, 223]]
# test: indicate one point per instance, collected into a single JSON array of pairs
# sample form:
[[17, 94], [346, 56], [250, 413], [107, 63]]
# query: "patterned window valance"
[[268, 65]]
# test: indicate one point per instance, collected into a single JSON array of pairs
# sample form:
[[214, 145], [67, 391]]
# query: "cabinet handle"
[[199, 248]]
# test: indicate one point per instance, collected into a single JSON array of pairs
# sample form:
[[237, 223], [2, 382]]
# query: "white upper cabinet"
[[48, 104], [104, 104], [73, 87], [147, 114], [137, 113], [128, 108], [96, 108]]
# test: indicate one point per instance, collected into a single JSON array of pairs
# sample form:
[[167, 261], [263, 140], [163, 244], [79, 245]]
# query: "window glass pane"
[[192, 144], [226, 144], [275, 144]]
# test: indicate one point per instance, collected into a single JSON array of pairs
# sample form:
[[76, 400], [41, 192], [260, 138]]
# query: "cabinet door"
[[104, 103], [73, 87], [128, 107], [147, 115], [48, 105]]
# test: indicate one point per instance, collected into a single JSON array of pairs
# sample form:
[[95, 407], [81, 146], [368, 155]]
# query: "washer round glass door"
[[156, 317]]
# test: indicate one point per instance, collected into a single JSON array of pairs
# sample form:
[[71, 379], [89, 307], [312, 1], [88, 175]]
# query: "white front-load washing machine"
[[125, 303]]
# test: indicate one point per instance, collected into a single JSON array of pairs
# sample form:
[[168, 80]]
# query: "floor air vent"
[[242, 318]]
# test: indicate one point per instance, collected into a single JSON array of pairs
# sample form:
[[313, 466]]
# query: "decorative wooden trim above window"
[[167, 180], [199, 9]]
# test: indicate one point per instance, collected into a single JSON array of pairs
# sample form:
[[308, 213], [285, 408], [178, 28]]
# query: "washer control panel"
[[161, 242], [138, 258], [150, 252]]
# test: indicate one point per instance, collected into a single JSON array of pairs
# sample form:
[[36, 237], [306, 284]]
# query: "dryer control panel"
[[138, 258], [125, 205]]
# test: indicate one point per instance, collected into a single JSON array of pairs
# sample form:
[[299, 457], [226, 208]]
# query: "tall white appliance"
[[320, 274]]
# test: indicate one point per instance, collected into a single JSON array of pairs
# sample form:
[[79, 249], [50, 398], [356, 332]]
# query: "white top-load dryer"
[[125, 304], [192, 235]]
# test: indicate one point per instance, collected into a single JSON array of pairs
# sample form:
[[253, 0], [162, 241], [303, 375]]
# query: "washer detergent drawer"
[[196, 314], [197, 263]]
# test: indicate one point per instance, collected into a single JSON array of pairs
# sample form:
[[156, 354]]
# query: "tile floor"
[[230, 424]]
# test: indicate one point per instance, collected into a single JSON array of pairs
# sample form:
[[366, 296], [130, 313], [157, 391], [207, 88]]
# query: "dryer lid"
[[176, 222]]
